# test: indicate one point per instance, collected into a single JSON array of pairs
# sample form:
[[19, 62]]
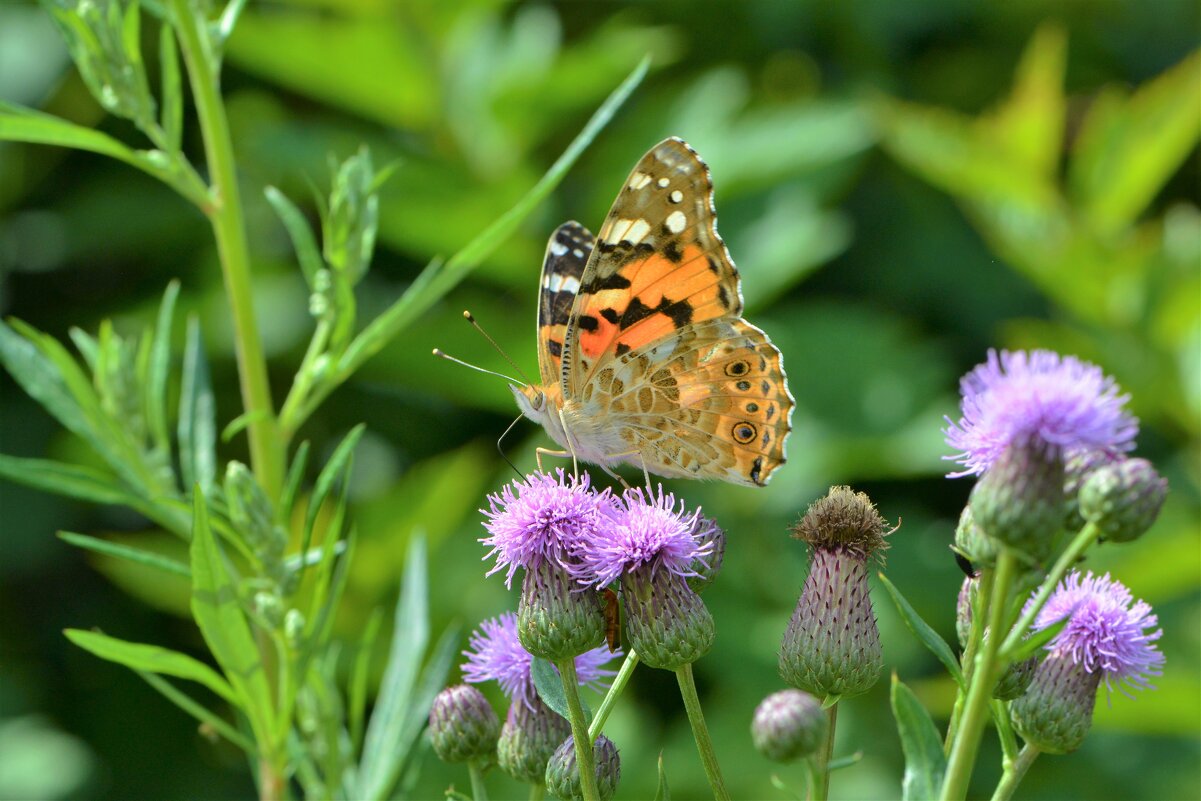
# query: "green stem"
[[225, 214], [579, 730], [821, 760], [976, 708], [1015, 771], [979, 608], [303, 383], [479, 792], [537, 791], [615, 690], [1079, 544], [700, 732]]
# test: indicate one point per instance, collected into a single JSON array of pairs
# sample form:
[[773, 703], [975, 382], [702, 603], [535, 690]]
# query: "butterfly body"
[[643, 354]]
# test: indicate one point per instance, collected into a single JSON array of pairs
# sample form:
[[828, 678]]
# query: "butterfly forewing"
[[567, 253]]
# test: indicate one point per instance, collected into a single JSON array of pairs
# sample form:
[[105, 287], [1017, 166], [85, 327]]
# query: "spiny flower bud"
[[972, 542], [789, 725], [563, 777], [707, 567], [832, 644], [1123, 498], [667, 623], [556, 619], [463, 726], [528, 740], [1078, 467], [1020, 500]]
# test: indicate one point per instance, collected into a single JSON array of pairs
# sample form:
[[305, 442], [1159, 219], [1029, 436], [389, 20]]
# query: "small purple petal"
[[1107, 631], [1066, 403], [496, 654]]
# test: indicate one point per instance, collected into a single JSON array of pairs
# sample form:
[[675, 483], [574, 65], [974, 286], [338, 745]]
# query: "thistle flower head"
[[649, 531], [563, 774], [1015, 396], [542, 518], [496, 654], [845, 521], [1108, 631], [789, 725], [463, 726]]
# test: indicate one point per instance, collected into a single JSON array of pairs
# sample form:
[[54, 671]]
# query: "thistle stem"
[[479, 791], [984, 674], [700, 732], [224, 211], [579, 730], [821, 760], [615, 689], [1015, 771], [537, 791], [968, 661]]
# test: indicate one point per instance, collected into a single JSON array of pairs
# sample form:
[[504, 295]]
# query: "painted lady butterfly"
[[644, 357]]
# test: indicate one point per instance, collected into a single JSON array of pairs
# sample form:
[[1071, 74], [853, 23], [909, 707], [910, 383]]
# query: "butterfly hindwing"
[[567, 253]]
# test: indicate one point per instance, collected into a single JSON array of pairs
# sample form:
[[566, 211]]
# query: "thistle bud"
[[1020, 500], [463, 727], [1057, 710], [1077, 469], [563, 776], [832, 644], [706, 568], [528, 740], [667, 623], [789, 725], [1123, 498], [972, 542], [1017, 676], [557, 620]]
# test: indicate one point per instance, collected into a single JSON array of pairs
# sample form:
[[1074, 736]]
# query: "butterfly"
[[643, 355]]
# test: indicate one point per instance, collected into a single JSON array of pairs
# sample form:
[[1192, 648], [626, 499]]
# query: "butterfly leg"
[[540, 452]]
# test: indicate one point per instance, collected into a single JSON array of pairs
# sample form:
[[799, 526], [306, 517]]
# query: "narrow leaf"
[[1037, 641], [662, 792], [303, 242], [925, 635], [197, 415], [300, 460], [357, 696], [152, 658], [171, 89], [137, 555], [924, 760], [159, 369], [207, 718], [431, 682], [325, 481], [76, 481]]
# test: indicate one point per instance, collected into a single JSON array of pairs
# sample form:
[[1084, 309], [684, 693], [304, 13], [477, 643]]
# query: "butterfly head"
[[531, 401]]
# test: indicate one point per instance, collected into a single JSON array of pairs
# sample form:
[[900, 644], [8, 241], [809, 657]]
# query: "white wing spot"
[[676, 222], [558, 282], [677, 196], [579, 254], [639, 180], [664, 182], [632, 231], [557, 248]]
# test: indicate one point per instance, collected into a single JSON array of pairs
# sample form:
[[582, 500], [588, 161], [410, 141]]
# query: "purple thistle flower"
[[1107, 631], [1068, 404], [496, 653], [542, 519], [654, 532]]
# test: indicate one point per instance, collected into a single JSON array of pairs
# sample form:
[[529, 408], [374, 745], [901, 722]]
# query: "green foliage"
[[924, 760]]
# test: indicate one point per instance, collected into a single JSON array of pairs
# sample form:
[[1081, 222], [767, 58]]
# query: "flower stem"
[[479, 791], [224, 211], [579, 730], [537, 791], [976, 707], [700, 732], [968, 661], [615, 690], [821, 761], [1079, 544], [1015, 771]]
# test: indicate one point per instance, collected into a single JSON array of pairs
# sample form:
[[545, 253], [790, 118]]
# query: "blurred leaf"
[[303, 242], [136, 555], [1129, 147], [356, 702], [1029, 124], [335, 469], [197, 415], [152, 658], [76, 481], [199, 712], [159, 370], [924, 760], [1035, 643], [295, 477], [171, 88], [662, 792], [920, 629], [221, 620]]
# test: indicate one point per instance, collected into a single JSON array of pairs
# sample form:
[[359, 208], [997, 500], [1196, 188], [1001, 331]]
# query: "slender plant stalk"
[[479, 791], [975, 635], [976, 709], [229, 229], [615, 689], [1015, 771], [537, 791], [1079, 544], [700, 732], [579, 730], [821, 760]]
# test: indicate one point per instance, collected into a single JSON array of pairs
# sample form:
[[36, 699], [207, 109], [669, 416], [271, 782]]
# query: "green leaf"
[[303, 241], [219, 615], [1128, 148], [85, 483], [432, 681], [152, 658], [333, 470], [1028, 126], [356, 702], [925, 635], [171, 89], [43, 382], [924, 759], [662, 792], [160, 368], [197, 415], [197, 711], [287, 500], [550, 686], [137, 555], [382, 760]]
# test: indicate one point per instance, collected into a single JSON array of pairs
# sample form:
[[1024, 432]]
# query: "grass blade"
[[160, 368]]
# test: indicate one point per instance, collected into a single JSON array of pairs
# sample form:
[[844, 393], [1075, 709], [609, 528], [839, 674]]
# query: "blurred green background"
[[903, 187]]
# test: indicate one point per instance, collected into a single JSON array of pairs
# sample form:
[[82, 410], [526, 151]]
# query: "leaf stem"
[[1015, 771], [821, 760], [579, 730], [615, 690], [224, 211], [984, 673], [700, 732]]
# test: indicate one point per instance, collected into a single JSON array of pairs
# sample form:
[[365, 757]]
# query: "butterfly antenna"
[[469, 317], [501, 450], [441, 354]]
